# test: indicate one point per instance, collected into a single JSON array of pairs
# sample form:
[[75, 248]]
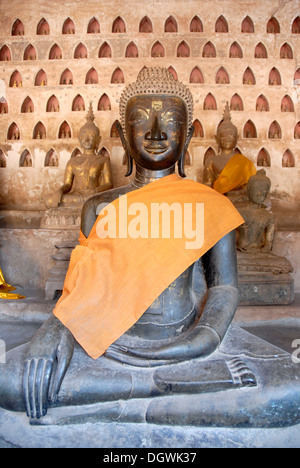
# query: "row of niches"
[[118, 77], [145, 26], [249, 130], [52, 158], [157, 51], [104, 104]]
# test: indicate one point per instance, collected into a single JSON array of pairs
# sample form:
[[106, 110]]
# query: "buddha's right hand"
[[47, 361], [53, 200]]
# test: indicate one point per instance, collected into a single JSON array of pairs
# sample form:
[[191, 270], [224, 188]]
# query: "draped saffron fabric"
[[6, 288], [236, 173], [112, 280]]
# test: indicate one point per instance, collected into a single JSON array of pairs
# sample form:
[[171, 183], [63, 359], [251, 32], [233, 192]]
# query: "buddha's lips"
[[156, 147]]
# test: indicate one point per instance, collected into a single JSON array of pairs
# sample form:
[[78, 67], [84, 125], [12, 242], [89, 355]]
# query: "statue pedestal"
[[67, 219], [62, 218], [55, 281], [264, 279]]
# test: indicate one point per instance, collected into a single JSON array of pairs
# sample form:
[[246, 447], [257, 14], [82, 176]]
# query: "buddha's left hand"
[[200, 342]]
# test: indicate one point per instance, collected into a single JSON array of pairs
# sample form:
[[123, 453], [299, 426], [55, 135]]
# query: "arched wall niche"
[[236, 103], [17, 28], [131, 50], [26, 159], [64, 130], [27, 106], [5, 54], [104, 103], [3, 106], [288, 159], [263, 158], [52, 104], [105, 51], [68, 26], [171, 25], [145, 25], [119, 26], [262, 104], [92, 76], [2, 159], [43, 28], [273, 26], [13, 132], [15, 80], [247, 25], [93, 26], [78, 104], [39, 131], [221, 25], [30, 53], [51, 159], [196, 25]]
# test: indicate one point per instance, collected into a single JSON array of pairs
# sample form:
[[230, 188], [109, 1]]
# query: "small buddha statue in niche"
[[87, 173], [227, 171]]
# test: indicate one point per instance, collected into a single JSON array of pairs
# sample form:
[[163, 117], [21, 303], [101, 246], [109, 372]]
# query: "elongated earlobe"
[[182, 156], [129, 160]]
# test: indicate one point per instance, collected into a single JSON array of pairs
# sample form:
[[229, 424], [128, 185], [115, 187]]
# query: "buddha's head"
[[258, 187], [156, 115], [227, 134], [89, 134]]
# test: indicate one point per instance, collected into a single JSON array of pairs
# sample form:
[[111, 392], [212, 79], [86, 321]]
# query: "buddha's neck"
[[227, 153], [145, 176], [89, 152]]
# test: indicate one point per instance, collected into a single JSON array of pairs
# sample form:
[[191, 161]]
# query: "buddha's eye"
[[173, 116], [138, 115]]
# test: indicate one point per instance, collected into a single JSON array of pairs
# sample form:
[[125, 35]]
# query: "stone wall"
[[35, 54]]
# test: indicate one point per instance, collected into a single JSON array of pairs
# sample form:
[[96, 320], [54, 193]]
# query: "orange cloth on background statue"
[[112, 281], [6, 288], [236, 173]]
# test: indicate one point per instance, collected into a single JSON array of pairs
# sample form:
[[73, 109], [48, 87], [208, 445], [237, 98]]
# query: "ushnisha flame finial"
[[226, 123]]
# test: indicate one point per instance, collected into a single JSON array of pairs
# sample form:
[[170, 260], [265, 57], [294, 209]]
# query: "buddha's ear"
[[126, 148], [182, 156], [218, 143]]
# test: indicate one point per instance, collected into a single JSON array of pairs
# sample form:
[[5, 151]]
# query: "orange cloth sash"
[[6, 288], [112, 281], [236, 173]]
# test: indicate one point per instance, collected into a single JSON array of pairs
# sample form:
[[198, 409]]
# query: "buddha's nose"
[[155, 132]]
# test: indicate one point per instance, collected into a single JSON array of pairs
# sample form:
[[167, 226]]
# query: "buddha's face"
[[156, 128], [88, 138], [227, 139], [258, 192]]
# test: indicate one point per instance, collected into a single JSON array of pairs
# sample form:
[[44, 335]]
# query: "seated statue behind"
[[86, 174], [257, 233], [228, 171]]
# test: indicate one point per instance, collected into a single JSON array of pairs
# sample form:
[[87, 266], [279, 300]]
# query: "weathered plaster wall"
[[23, 188]]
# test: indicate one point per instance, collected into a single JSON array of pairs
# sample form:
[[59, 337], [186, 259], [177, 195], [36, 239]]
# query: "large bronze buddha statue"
[[174, 305], [85, 174]]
